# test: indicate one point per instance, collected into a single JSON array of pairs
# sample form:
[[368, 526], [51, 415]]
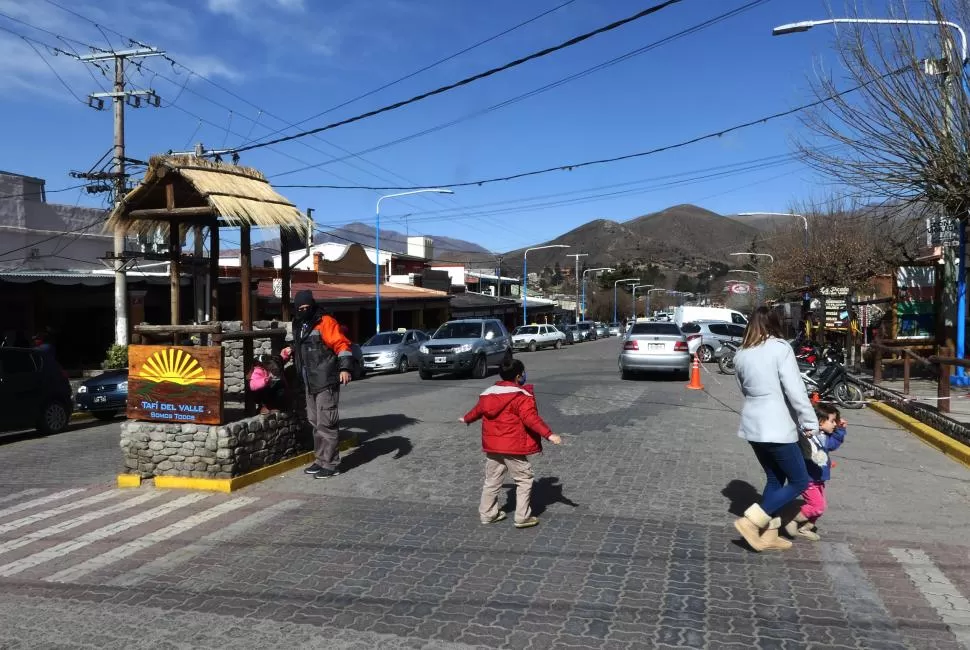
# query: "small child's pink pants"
[[814, 496]]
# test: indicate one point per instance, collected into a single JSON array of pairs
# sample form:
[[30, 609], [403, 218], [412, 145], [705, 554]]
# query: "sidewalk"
[[924, 392]]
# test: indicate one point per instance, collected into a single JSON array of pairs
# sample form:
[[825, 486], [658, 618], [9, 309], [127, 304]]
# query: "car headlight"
[[82, 389], [423, 349], [123, 386], [467, 347]]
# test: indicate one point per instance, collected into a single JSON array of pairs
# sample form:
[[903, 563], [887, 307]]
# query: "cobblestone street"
[[635, 548]]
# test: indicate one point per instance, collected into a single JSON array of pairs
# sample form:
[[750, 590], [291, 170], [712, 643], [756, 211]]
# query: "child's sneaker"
[[499, 516], [527, 523], [808, 532]]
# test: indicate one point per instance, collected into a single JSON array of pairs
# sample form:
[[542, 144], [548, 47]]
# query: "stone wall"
[[201, 451], [926, 414], [234, 377]]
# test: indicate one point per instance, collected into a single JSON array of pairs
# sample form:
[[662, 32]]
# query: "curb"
[[950, 447], [228, 484]]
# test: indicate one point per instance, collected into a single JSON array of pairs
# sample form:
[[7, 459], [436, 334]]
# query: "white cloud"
[[209, 67]]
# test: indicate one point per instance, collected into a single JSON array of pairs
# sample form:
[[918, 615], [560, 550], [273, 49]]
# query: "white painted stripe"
[[27, 505], [182, 555], [121, 552], [54, 512], [20, 495], [952, 606], [13, 568], [80, 520]]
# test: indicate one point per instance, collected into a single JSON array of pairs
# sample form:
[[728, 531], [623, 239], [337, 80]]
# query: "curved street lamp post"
[[625, 280], [525, 276], [605, 268]]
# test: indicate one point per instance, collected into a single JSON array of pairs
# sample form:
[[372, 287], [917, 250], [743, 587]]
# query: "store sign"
[[835, 305], [739, 287], [942, 231], [175, 384], [915, 305]]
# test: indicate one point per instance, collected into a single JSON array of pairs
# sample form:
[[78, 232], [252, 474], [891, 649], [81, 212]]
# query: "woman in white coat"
[[776, 412]]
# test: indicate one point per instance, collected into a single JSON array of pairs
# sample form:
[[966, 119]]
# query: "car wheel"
[[705, 353], [402, 365], [104, 415], [558, 345], [424, 374], [53, 419], [532, 346], [480, 368]]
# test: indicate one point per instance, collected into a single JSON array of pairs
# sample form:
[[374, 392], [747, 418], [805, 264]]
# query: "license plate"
[[655, 346], [100, 399], [441, 359]]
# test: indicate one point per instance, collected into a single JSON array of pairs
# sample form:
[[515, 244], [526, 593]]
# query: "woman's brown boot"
[[770, 540]]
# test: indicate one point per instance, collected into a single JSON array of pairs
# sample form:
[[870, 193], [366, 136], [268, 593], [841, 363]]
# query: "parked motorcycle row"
[[822, 369]]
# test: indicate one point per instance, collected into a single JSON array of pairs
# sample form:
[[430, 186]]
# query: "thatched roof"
[[238, 195]]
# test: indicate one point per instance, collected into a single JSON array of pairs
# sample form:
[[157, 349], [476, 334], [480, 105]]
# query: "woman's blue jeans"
[[785, 471]]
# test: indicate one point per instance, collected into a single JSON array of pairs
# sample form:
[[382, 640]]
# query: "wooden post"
[[245, 272], [907, 360], [285, 315], [943, 383], [214, 272], [877, 362]]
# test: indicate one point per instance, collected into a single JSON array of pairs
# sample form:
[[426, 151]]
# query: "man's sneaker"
[[499, 516], [312, 469], [326, 473], [527, 523]]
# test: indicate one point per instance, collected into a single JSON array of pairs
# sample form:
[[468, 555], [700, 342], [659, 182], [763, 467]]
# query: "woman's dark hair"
[[511, 369], [762, 325]]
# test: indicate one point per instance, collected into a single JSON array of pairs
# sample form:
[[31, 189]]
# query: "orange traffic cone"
[[695, 375]]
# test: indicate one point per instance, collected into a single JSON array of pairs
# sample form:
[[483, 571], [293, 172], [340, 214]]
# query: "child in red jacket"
[[511, 431]]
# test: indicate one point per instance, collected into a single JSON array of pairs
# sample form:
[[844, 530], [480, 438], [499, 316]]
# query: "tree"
[[684, 283]]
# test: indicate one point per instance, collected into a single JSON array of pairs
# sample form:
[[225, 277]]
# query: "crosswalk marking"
[[179, 556], [18, 566], [120, 552], [27, 505], [20, 495], [64, 526], [952, 606], [54, 512]]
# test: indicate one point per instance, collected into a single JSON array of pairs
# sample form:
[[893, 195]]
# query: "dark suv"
[[466, 347], [34, 391]]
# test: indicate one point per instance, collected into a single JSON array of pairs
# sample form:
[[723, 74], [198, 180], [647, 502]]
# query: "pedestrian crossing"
[[76, 535]]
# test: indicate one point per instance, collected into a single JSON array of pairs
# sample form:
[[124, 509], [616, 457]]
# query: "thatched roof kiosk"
[[181, 192]]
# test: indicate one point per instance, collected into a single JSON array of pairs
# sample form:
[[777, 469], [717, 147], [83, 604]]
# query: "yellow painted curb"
[[239, 482], [952, 448], [129, 480]]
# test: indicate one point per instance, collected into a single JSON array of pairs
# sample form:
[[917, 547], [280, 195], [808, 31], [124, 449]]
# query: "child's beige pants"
[[520, 469]]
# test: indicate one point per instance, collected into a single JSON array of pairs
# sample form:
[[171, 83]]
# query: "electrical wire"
[[43, 192], [467, 80], [30, 43]]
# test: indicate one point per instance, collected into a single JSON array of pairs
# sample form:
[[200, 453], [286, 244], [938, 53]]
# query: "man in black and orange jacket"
[[323, 363]]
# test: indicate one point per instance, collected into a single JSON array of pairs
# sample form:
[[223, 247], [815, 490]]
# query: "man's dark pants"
[[321, 413]]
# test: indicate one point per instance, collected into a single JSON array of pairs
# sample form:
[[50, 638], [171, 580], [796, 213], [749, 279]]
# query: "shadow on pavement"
[[366, 428], [741, 494], [372, 449], [545, 492], [656, 375], [10, 437]]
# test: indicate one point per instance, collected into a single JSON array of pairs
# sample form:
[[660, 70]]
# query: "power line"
[[604, 161], [30, 43], [549, 86], [422, 69], [467, 80], [43, 192]]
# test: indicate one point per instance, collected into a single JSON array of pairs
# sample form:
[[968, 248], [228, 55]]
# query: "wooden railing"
[[942, 361]]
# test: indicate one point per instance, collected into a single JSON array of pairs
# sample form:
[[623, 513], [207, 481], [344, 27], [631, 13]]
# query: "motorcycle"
[[725, 357], [828, 378]]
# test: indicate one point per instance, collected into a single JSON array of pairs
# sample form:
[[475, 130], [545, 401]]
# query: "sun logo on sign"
[[173, 366]]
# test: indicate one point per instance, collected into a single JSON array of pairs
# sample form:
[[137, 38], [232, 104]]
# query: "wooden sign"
[[175, 384]]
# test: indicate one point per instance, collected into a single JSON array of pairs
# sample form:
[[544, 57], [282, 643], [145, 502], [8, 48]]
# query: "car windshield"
[[690, 328], [459, 331], [526, 330], [584, 326], [388, 338], [664, 329], [614, 324]]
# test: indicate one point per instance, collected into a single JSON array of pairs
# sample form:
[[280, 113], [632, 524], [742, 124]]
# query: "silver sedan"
[[654, 347]]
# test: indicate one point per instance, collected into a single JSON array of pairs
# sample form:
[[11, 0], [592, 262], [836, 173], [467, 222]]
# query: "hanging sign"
[[175, 384], [942, 231]]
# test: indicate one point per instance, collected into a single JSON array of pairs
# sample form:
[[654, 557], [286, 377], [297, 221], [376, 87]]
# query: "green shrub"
[[117, 357]]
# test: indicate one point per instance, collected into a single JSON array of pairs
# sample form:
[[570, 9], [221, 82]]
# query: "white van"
[[690, 314]]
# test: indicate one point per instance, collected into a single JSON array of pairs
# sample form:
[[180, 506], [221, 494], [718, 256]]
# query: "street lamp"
[[605, 268], [614, 292], [525, 275], [635, 287], [377, 245], [808, 277], [649, 291], [768, 255], [805, 25]]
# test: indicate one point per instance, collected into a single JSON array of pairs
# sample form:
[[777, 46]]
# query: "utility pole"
[[498, 278], [119, 97], [576, 278]]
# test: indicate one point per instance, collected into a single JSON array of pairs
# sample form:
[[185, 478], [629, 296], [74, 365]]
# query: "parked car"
[[705, 337], [654, 346], [602, 330], [614, 329], [34, 391], [104, 396], [466, 347], [587, 330], [534, 337], [393, 351], [572, 334]]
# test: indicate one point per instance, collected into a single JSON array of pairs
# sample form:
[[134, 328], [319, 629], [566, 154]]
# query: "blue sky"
[[296, 58]]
